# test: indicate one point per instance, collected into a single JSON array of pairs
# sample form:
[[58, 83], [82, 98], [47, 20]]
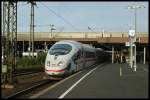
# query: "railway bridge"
[[116, 41]]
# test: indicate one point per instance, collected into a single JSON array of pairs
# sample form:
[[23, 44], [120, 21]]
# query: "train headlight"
[[60, 63], [48, 63]]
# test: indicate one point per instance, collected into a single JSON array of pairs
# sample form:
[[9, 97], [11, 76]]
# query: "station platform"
[[104, 81]]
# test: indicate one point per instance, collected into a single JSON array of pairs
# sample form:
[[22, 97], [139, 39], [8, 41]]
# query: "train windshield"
[[60, 49]]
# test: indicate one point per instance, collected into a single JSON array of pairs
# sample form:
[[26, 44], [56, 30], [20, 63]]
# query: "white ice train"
[[66, 57]]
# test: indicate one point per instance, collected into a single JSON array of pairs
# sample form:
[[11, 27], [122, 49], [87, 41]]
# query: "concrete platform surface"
[[103, 81]]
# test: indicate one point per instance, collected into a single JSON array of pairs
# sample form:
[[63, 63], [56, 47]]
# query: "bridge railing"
[[48, 35]]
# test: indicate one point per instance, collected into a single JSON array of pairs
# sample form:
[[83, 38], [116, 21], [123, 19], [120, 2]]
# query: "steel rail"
[[40, 83]]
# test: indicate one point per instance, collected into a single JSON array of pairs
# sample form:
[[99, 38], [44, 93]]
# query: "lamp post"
[[131, 36], [51, 28], [135, 7]]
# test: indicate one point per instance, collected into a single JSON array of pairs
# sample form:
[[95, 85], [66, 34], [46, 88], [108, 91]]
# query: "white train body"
[[66, 57]]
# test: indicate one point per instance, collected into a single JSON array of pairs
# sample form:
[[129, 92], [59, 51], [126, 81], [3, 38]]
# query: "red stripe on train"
[[55, 70]]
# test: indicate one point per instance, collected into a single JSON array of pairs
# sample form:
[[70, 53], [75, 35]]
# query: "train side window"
[[90, 54], [87, 54]]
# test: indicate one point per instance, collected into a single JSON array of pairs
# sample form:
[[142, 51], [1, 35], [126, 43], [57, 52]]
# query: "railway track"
[[21, 72], [27, 73], [36, 85]]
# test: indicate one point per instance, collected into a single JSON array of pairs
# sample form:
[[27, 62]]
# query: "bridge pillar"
[[112, 54], [144, 55], [23, 45], [46, 48]]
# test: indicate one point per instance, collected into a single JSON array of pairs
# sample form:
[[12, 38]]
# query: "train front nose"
[[54, 72], [55, 68]]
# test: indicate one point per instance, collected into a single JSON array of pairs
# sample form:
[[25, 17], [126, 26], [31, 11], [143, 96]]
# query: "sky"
[[78, 16]]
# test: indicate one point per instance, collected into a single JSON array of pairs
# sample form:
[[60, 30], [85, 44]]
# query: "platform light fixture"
[[135, 7]]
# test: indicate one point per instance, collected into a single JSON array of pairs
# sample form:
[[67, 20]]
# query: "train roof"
[[78, 45], [71, 41], [75, 43], [100, 49]]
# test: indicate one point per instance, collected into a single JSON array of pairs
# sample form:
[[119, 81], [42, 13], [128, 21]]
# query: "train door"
[[75, 60], [79, 60], [83, 58]]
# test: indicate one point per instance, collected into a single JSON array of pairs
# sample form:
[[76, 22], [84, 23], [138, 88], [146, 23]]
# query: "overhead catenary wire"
[[66, 21]]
